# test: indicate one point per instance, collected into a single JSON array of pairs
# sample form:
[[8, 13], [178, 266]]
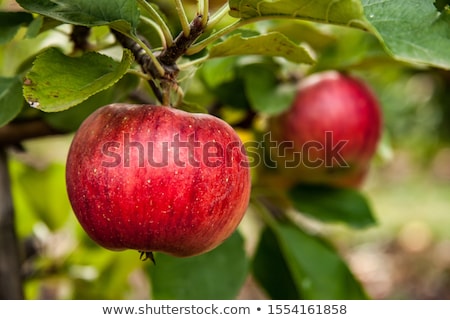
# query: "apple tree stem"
[[10, 270]]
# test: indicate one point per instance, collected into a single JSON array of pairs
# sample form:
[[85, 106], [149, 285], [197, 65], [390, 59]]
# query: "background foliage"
[[336, 243]]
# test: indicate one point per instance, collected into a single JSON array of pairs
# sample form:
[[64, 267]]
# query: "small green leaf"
[[319, 273], [122, 15], [414, 30], [11, 99], [10, 22], [264, 91], [331, 204], [342, 12], [57, 82], [218, 274], [271, 44]]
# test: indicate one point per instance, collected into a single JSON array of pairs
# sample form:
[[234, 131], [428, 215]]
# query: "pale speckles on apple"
[[197, 205]]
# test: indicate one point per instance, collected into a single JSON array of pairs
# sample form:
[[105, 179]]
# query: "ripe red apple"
[[154, 178], [330, 133]]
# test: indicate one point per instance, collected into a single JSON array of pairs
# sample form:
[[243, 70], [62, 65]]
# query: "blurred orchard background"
[[405, 256]]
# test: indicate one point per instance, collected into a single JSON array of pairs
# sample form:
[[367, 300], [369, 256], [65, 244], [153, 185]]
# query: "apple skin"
[[335, 110], [123, 201]]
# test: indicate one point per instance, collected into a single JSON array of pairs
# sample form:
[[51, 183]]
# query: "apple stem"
[[79, 37], [147, 255]]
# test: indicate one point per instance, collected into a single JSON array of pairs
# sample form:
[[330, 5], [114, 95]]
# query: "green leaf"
[[11, 99], [218, 71], [221, 78], [353, 49], [122, 15], [342, 12], [332, 204], [264, 91], [23, 210], [270, 44], [218, 274], [10, 22], [270, 270], [300, 31], [46, 193], [70, 119], [413, 30], [35, 27], [318, 271], [96, 273], [57, 82]]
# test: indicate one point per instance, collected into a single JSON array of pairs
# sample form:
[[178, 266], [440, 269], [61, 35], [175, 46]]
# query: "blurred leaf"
[[270, 44], [232, 94], [318, 271], [11, 99], [122, 15], [98, 273], [46, 193], [10, 22], [332, 204], [217, 71], [264, 91], [218, 274], [192, 107], [300, 31], [413, 30], [353, 49], [35, 27], [343, 12], [271, 271], [57, 82], [25, 216], [70, 119]]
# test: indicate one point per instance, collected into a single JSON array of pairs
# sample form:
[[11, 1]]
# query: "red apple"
[[154, 178], [330, 133]]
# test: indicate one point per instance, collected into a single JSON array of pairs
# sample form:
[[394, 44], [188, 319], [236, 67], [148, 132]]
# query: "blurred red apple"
[[154, 178], [331, 132]]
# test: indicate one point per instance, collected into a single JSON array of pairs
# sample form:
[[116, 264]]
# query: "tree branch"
[[10, 270], [16, 132]]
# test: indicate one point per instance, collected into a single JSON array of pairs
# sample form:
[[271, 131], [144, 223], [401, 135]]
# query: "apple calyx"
[[147, 255]]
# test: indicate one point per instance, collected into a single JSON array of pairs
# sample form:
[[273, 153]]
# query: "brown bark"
[[10, 271]]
